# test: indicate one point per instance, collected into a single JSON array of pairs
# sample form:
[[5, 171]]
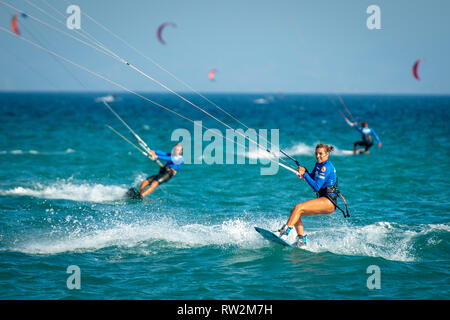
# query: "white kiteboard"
[[362, 151], [269, 235]]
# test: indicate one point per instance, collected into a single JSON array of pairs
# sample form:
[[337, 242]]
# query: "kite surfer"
[[368, 134], [173, 160], [323, 180]]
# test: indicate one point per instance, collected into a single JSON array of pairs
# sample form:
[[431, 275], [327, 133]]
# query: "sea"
[[67, 231]]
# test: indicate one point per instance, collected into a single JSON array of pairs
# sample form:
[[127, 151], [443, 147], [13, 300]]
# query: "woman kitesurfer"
[[173, 160], [323, 180]]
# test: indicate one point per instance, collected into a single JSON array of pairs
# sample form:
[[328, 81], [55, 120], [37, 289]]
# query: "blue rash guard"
[[367, 133], [323, 176], [321, 179], [174, 162]]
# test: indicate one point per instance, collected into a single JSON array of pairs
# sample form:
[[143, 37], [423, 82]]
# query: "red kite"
[[415, 69], [212, 74]]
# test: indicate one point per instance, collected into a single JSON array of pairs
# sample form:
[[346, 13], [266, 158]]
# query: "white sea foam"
[[374, 240], [69, 191], [298, 149], [384, 239], [108, 98], [302, 149], [36, 152], [228, 233], [387, 240]]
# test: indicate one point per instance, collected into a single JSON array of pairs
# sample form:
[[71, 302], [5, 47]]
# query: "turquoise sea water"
[[63, 177]]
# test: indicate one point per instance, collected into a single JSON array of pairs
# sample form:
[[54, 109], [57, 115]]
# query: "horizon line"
[[222, 92]]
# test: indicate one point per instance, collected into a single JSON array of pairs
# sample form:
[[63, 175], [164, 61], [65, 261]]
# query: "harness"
[[367, 136], [167, 169], [332, 190]]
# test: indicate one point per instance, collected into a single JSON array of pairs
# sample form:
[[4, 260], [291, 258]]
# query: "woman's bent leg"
[[309, 208]]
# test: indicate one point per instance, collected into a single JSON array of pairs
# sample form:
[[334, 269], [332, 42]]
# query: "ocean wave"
[[135, 235], [391, 241], [385, 240]]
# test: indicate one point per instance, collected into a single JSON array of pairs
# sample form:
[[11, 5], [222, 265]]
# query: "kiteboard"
[[132, 193], [269, 235]]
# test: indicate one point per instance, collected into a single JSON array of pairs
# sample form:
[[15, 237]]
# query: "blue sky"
[[256, 46]]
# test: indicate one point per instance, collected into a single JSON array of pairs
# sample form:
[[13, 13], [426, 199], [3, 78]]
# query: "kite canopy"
[[161, 28], [415, 69], [212, 74], [15, 22]]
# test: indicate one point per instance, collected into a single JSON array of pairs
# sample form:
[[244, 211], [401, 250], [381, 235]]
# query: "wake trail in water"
[[65, 190], [298, 149], [35, 152], [385, 240]]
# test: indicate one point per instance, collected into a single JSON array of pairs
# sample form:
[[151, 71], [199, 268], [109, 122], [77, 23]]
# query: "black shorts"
[[164, 175], [332, 197], [365, 144]]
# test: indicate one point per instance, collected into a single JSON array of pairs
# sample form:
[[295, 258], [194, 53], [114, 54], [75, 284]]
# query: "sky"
[[256, 46]]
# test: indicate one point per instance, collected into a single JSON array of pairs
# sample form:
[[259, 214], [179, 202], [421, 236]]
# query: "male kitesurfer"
[[368, 135]]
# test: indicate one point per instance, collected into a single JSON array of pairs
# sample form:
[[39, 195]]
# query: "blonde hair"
[[327, 147], [177, 145]]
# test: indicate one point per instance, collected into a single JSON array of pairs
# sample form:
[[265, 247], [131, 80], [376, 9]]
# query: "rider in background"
[[368, 135]]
